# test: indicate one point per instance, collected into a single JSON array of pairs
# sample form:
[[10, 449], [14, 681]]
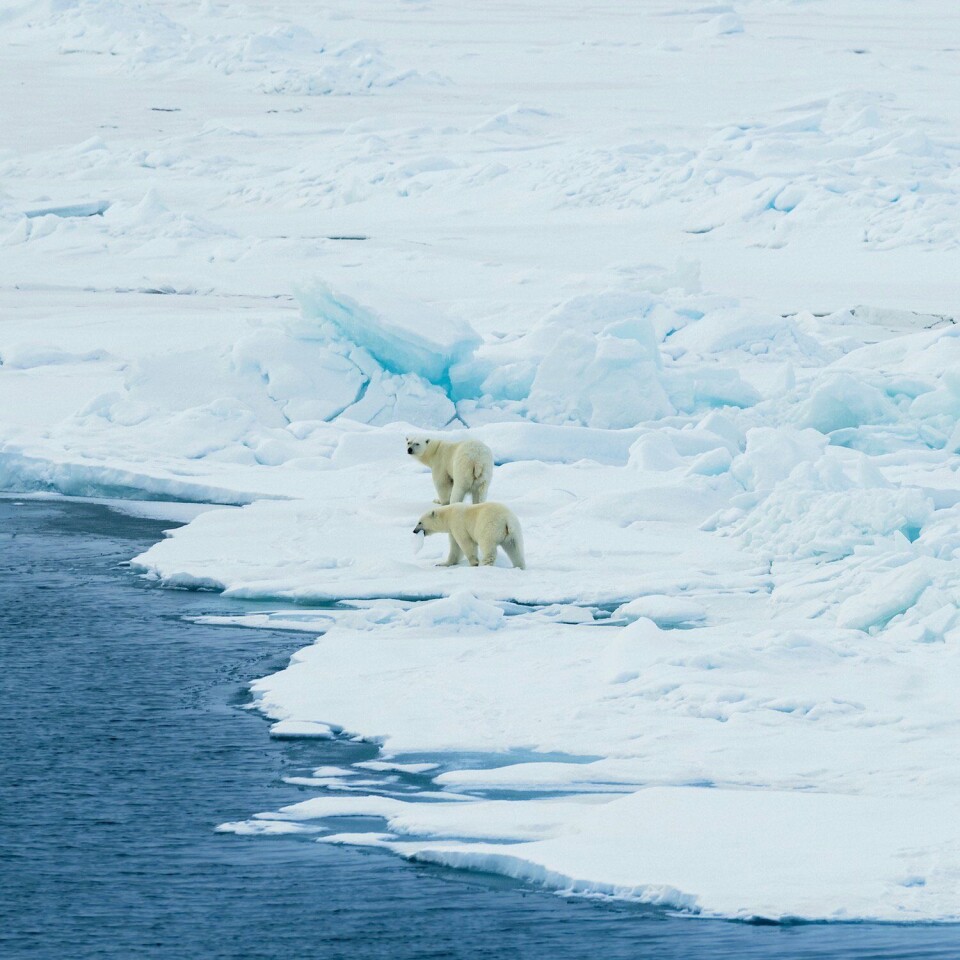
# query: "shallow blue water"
[[124, 743]]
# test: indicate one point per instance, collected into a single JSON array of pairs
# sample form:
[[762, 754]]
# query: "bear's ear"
[[433, 513], [425, 442]]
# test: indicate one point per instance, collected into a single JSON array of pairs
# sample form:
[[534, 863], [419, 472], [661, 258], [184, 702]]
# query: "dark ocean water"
[[125, 742]]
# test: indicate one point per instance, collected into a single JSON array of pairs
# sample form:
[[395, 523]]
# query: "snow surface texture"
[[689, 271]]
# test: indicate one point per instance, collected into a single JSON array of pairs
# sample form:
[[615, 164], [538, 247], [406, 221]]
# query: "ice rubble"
[[594, 361], [403, 338], [284, 59], [268, 398]]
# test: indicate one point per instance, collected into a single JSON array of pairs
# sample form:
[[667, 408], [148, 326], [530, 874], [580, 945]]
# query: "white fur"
[[471, 526], [457, 468]]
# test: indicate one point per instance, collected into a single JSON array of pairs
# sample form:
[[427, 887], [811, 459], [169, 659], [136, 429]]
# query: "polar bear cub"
[[483, 525], [458, 468]]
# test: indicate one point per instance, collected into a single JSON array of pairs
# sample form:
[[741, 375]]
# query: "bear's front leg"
[[453, 558]]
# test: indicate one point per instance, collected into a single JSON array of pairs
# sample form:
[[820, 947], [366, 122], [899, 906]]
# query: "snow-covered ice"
[[689, 271]]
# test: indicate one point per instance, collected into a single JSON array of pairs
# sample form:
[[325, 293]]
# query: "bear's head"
[[428, 523], [416, 446]]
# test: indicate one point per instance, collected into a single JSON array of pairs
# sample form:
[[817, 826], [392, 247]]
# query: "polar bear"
[[458, 468], [483, 525]]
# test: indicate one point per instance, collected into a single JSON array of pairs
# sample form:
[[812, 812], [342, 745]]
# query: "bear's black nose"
[[409, 449]]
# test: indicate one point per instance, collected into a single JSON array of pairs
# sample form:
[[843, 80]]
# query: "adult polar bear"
[[483, 525], [457, 468]]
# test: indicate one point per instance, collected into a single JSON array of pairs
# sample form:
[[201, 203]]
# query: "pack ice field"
[[689, 272]]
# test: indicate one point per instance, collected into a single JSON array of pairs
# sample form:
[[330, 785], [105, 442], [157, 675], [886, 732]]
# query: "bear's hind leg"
[[469, 547], [459, 492], [444, 485], [514, 550], [453, 558], [479, 491], [488, 554]]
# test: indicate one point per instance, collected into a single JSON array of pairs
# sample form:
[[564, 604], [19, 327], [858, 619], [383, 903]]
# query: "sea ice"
[[689, 271]]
